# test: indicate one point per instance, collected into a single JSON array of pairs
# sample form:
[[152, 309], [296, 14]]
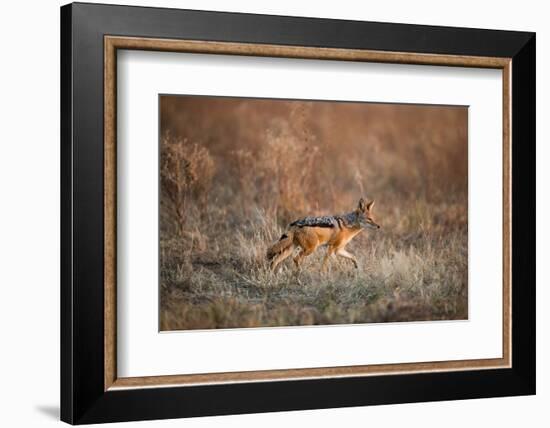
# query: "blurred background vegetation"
[[236, 171]]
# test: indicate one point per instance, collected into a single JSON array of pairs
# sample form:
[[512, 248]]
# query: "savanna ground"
[[235, 172]]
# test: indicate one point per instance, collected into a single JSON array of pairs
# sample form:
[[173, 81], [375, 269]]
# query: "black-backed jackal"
[[333, 231]]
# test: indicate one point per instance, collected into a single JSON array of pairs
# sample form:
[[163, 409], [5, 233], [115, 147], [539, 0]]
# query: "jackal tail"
[[281, 245]]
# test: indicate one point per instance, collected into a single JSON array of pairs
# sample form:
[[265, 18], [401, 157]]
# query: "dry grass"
[[236, 171]]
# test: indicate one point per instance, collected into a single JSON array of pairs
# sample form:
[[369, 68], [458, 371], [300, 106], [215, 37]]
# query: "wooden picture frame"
[[91, 390]]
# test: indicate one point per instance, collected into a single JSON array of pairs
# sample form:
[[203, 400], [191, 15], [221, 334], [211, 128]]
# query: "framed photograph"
[[265, 213]]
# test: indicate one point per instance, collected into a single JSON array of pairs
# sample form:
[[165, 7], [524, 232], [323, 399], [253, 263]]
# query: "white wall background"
[[29, 213]]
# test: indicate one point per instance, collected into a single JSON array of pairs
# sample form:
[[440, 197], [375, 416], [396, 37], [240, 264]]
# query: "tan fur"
[[279, 246], [309, 238]]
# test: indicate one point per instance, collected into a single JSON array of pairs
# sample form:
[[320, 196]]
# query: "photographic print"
[[280, 212]]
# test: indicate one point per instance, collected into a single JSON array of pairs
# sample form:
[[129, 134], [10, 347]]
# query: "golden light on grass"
[[235, 172]]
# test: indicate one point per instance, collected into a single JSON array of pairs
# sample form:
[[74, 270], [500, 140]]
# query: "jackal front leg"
[[347, 255], [329, 254]]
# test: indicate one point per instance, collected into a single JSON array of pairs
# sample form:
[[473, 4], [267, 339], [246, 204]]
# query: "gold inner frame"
[[113, 43]]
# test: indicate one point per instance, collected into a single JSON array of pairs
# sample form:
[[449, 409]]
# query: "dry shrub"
[[186, 171], [276, 177]]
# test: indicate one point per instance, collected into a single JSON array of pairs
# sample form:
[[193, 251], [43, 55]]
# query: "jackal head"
[[364, 214]]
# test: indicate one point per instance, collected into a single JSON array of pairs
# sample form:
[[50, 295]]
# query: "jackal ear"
[[362, 204], [370, 205]]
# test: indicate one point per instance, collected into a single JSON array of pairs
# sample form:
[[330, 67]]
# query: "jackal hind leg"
[[347, 255], [281, 257], [304, 253]]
